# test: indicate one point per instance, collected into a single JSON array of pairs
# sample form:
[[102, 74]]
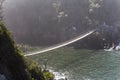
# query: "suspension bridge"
[[62, 44]]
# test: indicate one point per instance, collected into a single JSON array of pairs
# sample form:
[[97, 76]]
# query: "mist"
[[41, 22]]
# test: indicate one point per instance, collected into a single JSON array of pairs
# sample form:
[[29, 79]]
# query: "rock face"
[[12, 64]]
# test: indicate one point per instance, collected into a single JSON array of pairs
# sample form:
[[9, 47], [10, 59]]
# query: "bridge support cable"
[[61, 44]]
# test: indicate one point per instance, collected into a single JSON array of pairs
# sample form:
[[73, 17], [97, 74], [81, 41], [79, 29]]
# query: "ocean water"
[[82, 64]]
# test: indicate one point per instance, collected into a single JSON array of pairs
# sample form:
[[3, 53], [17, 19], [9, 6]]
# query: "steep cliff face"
[[12, 64]]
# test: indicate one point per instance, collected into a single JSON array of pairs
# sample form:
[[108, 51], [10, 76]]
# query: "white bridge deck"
[[61, 44]]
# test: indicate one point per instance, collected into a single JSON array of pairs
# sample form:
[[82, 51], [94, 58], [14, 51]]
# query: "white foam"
[[110, 49], [117, 48], [58, 75]]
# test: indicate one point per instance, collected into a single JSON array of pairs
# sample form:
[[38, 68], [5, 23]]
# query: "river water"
[[82, 64]]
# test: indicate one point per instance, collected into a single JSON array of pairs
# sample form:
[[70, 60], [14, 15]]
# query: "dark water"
[[83, 64]]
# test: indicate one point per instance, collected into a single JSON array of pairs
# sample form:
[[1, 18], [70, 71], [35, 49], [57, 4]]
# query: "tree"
[[13, 65]]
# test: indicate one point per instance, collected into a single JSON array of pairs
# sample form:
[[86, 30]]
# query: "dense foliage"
[[12, 64]]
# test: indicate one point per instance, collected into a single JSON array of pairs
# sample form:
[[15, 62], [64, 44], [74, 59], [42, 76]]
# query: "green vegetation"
[[14, 65], [48, 75]]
